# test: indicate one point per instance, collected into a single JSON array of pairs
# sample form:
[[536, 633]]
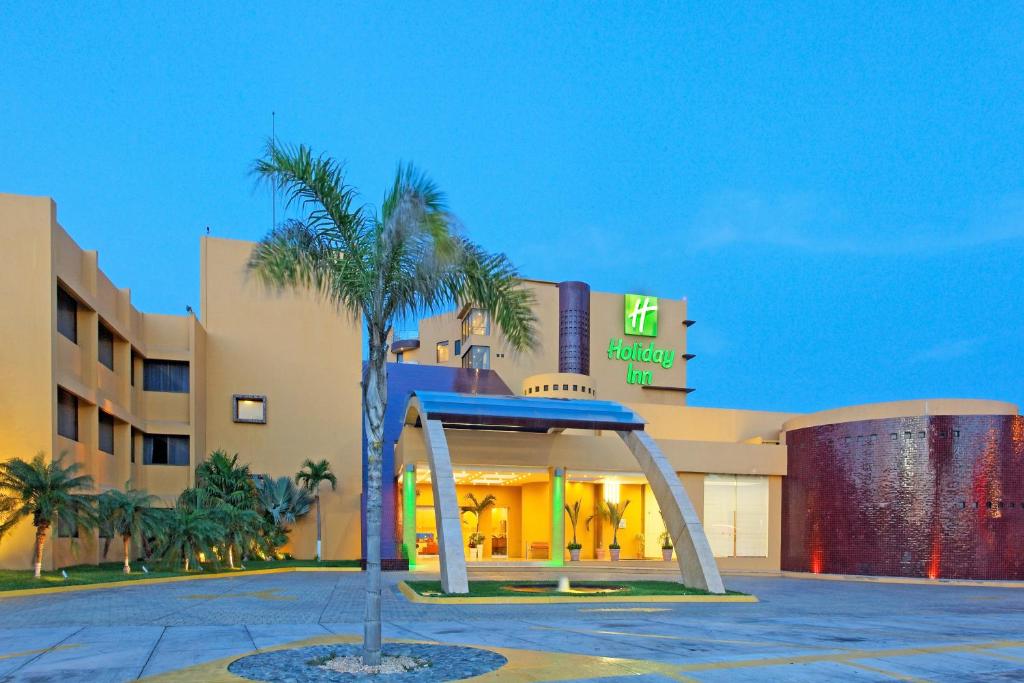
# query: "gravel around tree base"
[[305, 664]]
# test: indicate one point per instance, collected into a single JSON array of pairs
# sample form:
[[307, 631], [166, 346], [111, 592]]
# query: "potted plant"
[[613, 513], [666, 546], [477, 507], [574, 517]]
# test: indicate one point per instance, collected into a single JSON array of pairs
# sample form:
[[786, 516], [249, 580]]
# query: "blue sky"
[[838, 192]]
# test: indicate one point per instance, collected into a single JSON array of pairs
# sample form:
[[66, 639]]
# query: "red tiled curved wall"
[[855, 501]]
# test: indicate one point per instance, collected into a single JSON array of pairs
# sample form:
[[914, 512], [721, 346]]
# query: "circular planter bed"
[[311, 664]]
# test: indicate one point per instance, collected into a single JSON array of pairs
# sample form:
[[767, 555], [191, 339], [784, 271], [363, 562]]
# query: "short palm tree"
[[613, 512], [406, 259], [189, 530], [282, 501], [311, 476], [477, 507], [574, 519], [48, 492], [242, 529], [226, 480], [130, 514]]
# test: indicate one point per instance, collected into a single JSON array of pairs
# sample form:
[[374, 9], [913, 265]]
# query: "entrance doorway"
[[499, 532]]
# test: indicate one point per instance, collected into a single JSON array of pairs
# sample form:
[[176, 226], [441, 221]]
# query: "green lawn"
[[493, 589], [110, 572]]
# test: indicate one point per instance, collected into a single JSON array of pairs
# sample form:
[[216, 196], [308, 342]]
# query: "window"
[[545, 387], [67, 529], [132, 372], [443, 352], [458, 347], [477, 321], [165, 375], [554, 387], [736, 514], [165, 449], [135, 436], [575, 387], [565, 387], [400, 357], [106, 441], [105, 349], [249, 408], [67, 315], [477, 358], [67, 414]]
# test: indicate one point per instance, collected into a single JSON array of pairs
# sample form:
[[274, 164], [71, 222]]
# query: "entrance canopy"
[[519, 413], [435, 412]]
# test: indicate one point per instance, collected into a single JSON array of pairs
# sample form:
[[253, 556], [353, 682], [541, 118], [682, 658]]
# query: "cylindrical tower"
[[574, 327]]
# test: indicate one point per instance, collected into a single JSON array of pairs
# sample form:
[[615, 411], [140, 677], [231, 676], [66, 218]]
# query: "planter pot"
[[476, 553], [666, 554], [599, 553], [614, 552], [574, 554]]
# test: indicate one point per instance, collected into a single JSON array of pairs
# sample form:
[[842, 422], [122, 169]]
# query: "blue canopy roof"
[[524, 413]]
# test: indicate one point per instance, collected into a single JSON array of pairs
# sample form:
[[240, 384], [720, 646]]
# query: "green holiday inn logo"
[[641, 319]]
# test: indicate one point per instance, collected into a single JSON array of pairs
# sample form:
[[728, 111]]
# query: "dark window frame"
[[105, 346], [105, 432], [169, 376], [67, 315], [67, 406], [166, 449]]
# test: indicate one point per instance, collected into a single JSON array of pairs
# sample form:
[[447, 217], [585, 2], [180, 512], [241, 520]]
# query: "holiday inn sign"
[[640, 316]]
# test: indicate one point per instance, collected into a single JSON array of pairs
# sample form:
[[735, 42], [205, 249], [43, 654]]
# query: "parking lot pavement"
[[801, 629]]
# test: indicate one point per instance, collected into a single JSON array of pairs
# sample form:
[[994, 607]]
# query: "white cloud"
[[818, 224], [950, 349]]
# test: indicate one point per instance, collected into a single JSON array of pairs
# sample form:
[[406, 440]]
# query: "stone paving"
[[802, 629]]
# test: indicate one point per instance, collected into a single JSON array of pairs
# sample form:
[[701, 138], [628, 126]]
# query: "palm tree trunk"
[[127, 553], [374, 401], [40, 540], [319, 557], [231, 558]]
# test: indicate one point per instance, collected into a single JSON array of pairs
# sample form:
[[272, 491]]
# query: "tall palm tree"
[[403, 260], [311, 476], [47, 491], [130, 514]]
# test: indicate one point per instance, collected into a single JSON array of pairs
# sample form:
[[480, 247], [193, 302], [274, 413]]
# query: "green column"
[[409, 514], [558, 518]]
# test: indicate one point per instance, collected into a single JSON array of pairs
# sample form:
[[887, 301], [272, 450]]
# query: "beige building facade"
[[141, 398]]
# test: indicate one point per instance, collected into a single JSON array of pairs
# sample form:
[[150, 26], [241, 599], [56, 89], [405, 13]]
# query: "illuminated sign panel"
[[640, 319], [641, 315]]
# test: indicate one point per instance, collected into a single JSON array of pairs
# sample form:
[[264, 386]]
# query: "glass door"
[[499, 532]]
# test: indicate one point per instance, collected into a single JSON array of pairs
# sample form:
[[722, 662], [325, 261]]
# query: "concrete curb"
[[413, 596], [26, 592]]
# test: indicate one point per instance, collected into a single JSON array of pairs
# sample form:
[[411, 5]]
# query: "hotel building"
[[598, 412]]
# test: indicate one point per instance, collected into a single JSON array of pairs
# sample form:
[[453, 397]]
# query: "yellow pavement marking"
[[685, 639], [884, 672], [25, 592], [413, 596], [852, 655], [999, 655], [522, 665], [26, 653], [270, 594], [624, 609]]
